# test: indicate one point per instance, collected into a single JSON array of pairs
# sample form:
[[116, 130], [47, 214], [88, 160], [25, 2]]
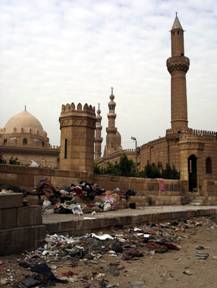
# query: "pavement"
[[78, 225]]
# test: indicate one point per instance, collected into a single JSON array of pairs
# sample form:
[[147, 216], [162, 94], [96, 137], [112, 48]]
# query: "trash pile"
[[91, 260], [127, 244], [81, 198]]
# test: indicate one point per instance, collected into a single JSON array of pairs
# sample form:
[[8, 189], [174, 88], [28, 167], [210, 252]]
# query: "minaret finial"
[[112, 90], [98, 106], [176, 13], [25, 108]]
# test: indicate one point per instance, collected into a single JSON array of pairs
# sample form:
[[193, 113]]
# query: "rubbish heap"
[[92, 260], [81, 198], [128, 244]]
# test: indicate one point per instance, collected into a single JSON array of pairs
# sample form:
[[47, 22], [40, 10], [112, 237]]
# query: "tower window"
[[65, 148], [208, 165], [25, 141]]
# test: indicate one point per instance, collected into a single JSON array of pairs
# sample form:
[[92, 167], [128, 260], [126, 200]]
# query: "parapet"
[[71, 108], [78, 116]]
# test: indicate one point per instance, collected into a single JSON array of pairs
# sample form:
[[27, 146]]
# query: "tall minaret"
[[177, 66], [98, 138], [113, 137]]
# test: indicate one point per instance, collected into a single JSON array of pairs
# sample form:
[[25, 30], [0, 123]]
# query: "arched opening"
[[25, 141], [5, 141], [208, 165], [192, 172]]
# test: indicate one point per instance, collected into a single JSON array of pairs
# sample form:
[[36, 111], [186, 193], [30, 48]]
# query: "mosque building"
[[192, 152], [24, 140]]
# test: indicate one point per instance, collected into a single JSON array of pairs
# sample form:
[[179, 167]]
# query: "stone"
[[10, 200], [21, 239], [29, 215], [8, 218]]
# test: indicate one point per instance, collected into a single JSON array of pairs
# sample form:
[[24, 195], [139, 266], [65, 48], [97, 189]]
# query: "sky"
[[54, 52]]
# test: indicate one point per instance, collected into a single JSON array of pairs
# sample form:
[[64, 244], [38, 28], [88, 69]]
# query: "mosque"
[[192, 152], [24, 139]]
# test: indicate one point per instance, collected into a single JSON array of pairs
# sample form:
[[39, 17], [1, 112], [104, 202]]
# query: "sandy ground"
[[168, 270]]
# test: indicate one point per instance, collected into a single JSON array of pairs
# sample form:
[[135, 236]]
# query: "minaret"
[[98, 138], [111, 115], [113, 137], [177, 66]]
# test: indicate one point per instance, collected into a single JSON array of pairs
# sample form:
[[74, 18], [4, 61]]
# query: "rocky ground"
[[178, 254]]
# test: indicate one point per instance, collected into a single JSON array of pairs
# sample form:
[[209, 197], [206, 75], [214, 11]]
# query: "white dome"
[[23, 120]]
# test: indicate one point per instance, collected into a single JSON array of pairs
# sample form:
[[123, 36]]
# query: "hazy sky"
[[59, 51]]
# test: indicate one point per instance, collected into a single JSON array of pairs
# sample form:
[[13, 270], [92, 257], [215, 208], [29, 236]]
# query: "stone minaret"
[[177, 66], [98, 138], [77, 125], [113, 137]]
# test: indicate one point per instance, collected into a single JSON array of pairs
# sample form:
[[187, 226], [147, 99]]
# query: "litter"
[[102, 237]]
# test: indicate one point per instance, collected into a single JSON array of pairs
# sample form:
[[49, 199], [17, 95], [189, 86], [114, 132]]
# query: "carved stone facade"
[[77, 127]]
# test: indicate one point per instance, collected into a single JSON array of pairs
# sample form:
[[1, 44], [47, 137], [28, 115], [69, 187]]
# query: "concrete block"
[[19, 239], [29, 215], [8, 218], [11, 200]]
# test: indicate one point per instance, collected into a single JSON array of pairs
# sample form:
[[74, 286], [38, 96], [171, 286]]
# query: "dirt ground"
[[180, 269]]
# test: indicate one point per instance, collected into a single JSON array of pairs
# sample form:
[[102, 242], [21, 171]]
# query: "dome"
[[23, 120]]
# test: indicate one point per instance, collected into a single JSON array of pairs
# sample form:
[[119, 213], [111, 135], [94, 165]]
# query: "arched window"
[[208, 165], [25, 141], [65, 148]]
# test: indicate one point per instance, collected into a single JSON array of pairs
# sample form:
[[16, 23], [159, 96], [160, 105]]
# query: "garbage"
[[102, 237], [79, 199], [132, 253], [187, 272], [34, 164], [201, 255], [44, 274]]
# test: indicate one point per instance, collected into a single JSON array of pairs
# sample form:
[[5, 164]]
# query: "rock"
[[187, 272]]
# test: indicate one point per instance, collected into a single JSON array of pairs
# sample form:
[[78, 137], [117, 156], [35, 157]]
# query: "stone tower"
[[113, 137], [98, 138], [177, 66], [77, 127]]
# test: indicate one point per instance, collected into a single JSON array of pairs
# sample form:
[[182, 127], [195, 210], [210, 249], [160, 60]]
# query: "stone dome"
[[24, 120]]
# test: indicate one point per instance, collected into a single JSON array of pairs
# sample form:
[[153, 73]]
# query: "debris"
[[187, 272], [132, 253], [201, 255], [102, 237]]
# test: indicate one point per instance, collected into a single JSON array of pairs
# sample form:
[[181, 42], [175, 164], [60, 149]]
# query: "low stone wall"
[[29, 177], [20, 226], [142, 186]]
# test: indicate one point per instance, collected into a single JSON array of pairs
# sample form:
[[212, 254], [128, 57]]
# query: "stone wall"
[[29, 177], [141, 185], [20, 226]]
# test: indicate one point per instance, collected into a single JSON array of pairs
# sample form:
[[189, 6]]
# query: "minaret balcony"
[[178, 63]]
